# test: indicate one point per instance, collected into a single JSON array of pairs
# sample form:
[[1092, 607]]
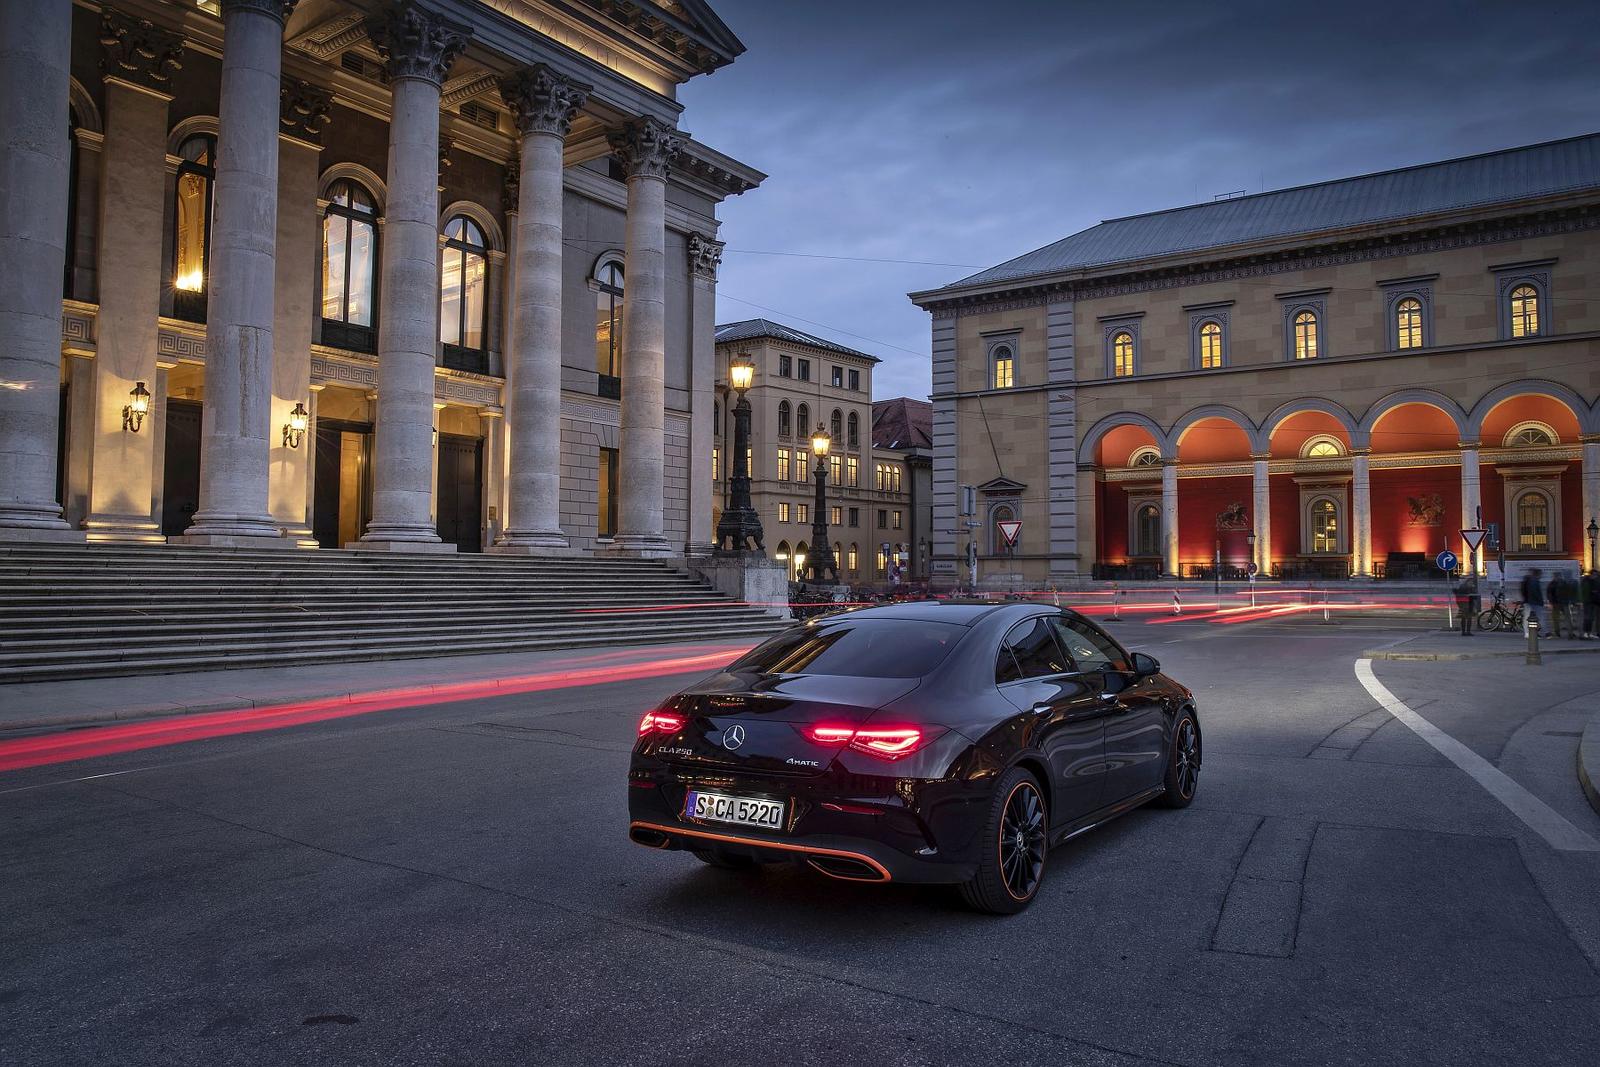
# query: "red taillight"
[[887, 742], [664, 722]]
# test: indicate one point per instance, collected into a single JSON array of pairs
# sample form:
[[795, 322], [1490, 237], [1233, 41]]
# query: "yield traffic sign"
[[1473, 538], [1009, 528]]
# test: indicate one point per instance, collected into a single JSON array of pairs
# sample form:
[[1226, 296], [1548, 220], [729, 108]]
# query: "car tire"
[[726, 861], [1016, 841], [1183, 763]]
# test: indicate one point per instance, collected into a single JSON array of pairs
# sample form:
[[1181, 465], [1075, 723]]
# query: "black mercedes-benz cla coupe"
[[936, 742]]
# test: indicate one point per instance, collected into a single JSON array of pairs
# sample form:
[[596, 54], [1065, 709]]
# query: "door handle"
[[1042, 709], [1107, 696]]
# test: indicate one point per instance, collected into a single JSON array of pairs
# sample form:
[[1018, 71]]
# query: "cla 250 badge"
[[679, 751]]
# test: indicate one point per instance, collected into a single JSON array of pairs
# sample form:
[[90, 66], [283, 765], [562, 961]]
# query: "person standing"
[[1467, 601], [1560, 600], [1533, 597], [1589, 598]]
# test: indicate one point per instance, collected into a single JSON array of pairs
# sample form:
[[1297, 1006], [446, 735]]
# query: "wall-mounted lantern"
[[294, 431], [136, 409]]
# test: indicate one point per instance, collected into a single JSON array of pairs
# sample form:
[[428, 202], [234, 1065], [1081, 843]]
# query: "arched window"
[[1003, 377], [191, 221], [1324, 525], [1530, 435], [854, 430], [1122, 354], [853, 560], [1524, 311], [802, 419], [1532, 509], [1305, 335], [1322, 447], [1147, 530], [1210, 345], [797, 562], [463, 295], [608, 328], [997, 540], [1408, 323], [349, 267], [836, 425], [1145, 457], [785, 423]]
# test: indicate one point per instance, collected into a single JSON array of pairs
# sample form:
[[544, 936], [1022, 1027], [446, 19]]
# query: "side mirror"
[[1144, 665]]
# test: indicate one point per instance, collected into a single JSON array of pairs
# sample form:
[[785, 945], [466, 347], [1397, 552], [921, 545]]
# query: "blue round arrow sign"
[[1446, 560]]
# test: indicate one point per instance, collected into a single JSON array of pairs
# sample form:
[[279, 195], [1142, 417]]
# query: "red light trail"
[[63, 747]]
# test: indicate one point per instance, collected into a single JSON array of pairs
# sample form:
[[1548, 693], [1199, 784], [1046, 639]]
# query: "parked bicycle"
[[1499, 616]]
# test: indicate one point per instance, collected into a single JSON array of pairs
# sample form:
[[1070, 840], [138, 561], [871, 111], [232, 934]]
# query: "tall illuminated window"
[[463, 295], [349, 265], [1210, 345], [852, 559], [608, 328], [1003, 366], [836, 468], [852, 471], [1533, 522], [1524, 311], [1408, 323], [1305, 335], [783, 464], [1122, 354], [802, 465], [191, 238], [1324, 526]]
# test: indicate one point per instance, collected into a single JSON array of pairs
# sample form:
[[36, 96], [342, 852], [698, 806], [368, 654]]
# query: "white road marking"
[[1539, 816]]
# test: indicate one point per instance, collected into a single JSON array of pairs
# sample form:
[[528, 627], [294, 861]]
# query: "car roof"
[[957, 612]]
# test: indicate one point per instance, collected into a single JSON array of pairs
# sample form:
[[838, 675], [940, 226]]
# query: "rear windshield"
[[865, 648]]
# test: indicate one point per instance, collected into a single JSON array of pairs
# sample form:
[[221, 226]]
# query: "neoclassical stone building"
[[416, 275], [1328, 381]]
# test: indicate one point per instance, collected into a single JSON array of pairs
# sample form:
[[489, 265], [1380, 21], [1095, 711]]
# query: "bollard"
[[1116, 603], [1325, 616], [1532, 658], [1177, 605]]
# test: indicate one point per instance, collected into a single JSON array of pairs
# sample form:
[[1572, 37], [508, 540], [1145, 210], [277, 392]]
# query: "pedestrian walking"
[[1589, 590], [1560, 605], [1467, 601], [1533, 597]]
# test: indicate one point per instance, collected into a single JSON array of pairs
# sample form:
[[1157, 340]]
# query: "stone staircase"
[[76, 611]]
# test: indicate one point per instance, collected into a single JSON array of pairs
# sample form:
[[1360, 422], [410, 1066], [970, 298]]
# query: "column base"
[[532, 543], [214, 525], [644, 546], [233, 540]]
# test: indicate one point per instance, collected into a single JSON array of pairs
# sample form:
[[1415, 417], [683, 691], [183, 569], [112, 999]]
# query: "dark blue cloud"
[[967, 133]]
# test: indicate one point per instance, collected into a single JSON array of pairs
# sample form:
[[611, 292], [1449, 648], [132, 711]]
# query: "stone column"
[[1262, 513], [303, 113], [234, 440], [418, 48], [1591, 490], [1471, 498], [646, 147], [1169, 518], [1361, 515], [138, 60], [34, 56], [704, 257], [543, 104]]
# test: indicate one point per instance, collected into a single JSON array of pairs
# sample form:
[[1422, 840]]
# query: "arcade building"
[[1328, 381], [408, 275]]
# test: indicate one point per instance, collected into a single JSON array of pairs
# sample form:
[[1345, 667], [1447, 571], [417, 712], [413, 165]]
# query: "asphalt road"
[[453, 884]]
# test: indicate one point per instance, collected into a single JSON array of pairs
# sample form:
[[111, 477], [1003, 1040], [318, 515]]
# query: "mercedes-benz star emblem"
[[732, 737]]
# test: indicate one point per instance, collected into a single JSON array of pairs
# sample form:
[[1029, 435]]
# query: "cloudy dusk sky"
[[912, 144]]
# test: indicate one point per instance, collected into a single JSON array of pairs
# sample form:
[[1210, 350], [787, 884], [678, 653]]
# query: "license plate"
[[745, 811]]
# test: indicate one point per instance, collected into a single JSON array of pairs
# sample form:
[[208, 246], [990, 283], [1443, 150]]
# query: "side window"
[[1088, 647], [1030, 651]]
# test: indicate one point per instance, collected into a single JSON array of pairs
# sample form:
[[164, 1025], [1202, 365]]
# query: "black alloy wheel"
[[1009, 874], [1183, 765]]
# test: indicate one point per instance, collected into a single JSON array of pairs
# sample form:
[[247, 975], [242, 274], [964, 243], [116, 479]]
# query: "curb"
[[1589, 761], [1379, 653]]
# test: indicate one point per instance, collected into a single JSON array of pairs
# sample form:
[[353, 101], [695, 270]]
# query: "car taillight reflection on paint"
[[662, 722], [885, 742]]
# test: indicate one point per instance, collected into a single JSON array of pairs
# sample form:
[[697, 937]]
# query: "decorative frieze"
[[303, 110], [705, 255], [139, 51], [180, 342], [332, 37], [415, 43], [542, 101], [647, 147]]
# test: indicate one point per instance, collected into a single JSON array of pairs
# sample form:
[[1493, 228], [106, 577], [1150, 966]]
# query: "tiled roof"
[[902, 423], [750, 329], [1506, 176]]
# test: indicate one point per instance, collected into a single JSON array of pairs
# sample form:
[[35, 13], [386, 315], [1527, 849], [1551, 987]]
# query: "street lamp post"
[[1251, 567], [821, 559], [740, 527]]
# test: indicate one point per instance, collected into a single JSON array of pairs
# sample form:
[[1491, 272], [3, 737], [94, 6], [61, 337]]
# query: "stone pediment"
[[1001, 487]]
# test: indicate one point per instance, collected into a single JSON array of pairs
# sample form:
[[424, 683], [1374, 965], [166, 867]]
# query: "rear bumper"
[[872, 830]]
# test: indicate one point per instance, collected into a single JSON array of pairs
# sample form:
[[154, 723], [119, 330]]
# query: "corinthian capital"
[[138, 51], [278, 9], [541, 100], [415, 43], [303, 109], [646, 147], [705, 255]]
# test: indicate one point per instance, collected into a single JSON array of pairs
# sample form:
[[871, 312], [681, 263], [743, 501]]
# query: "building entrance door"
[[342, 500], [458, 494], [180, 474]]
